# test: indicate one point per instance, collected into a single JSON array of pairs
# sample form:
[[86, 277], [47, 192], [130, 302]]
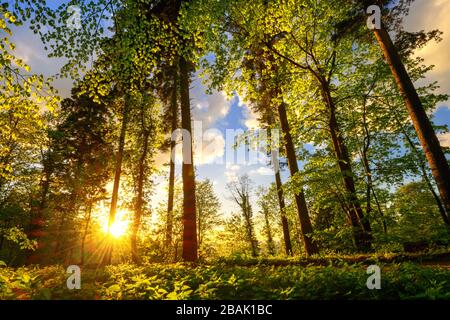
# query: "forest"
[[221, 150]]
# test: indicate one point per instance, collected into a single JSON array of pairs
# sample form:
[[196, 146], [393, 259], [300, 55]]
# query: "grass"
[[340, 277]]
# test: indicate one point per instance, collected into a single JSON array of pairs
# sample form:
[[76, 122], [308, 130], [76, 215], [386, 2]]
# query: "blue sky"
[[216, 112]]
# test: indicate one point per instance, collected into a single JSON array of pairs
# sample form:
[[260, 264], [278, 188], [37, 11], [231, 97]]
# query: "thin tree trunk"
[[250, 232], [199, 227], [174, 109], [175, 252], [368, 193], [2, 235], [361, 225], [427, 137], [139, 198], [117, 174], [37, 215], [284, 221], [371, 190], [270, 243], [305, 222], [62, 236], [189, 212], [368, 171], [86, 229], [57, 250], [439, 204], [441, 208]]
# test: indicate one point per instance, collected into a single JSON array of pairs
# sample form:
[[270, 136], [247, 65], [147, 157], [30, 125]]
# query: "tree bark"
[[86, 229], [305, 222], [427, 137], [58, 244], [189, 213], [174, 109], [247, 210], [284, 221], [36, 231], [117, 174], [199, 226], [369, 180], [64, 243], [139, 198], [361, 225], [270, 243]]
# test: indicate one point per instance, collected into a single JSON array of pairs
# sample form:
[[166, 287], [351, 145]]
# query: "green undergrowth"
[[222, 280], [439, 255]]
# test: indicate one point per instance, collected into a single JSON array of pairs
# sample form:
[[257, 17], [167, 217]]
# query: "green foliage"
[[18, 87], [229, 282], [208, 217], [413, 205], [19, 237]]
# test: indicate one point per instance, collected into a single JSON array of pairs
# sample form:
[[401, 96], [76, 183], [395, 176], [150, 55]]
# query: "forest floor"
[[403, 276]]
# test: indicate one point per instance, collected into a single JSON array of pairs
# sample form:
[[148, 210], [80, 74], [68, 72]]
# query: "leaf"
[[172, 296], [114, 288], [26, 278]]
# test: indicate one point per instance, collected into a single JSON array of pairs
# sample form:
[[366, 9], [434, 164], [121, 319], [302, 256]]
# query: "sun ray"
[[120, 225]]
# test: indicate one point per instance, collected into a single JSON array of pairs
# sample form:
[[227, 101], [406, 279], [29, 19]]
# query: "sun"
[[119, 227]]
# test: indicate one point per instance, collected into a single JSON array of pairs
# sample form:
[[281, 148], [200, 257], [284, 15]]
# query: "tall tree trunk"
[[361, 225], [305, 222], [371, 190], [58, 244], [270, 243], [86, 229], [36, 229], [200, 231], [64, 236], [284, 221], [249, 226], [199, 228], [2, 235], [368, 171], [139, 198], [118, 171], [427, 137], [189, 212], [174, 110]]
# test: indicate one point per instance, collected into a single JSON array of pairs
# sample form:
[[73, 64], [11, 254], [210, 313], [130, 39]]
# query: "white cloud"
[[444, 139], [30, 54], [428, 15], [212, 148], [231, 172], [250, 118], [233, 167], [262, 171], [209, 108], [209, 147]]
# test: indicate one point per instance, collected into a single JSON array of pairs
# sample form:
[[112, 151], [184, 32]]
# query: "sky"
[[215, 114]]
